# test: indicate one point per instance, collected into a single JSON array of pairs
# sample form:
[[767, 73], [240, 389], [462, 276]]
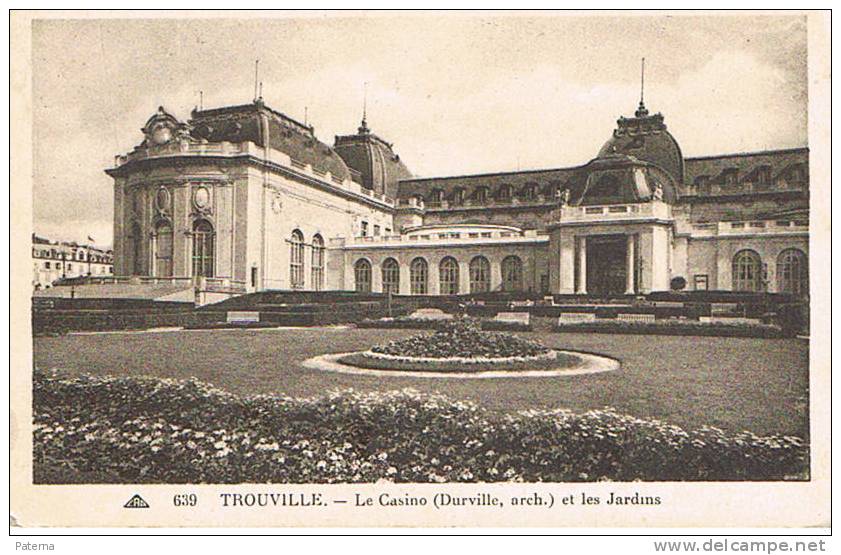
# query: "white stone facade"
[[249, 216]]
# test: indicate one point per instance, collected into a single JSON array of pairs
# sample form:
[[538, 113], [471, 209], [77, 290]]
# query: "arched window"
[[391, 276], [362, 276], [134, 250], [296, 260], [792, 272], [480, 275], [448, 276], [747, 271], [512, 273], [202, 248], [317, 262], [163, 249], [418, 276]]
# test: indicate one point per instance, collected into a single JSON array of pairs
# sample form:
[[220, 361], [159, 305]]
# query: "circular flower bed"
[[461, 346]]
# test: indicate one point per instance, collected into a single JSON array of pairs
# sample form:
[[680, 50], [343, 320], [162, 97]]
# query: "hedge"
[[164, 431], [671, 327]]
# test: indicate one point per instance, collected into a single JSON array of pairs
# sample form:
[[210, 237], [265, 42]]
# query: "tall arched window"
[[480, 275], [163, 249], [747, 271], [134, 250], [296, 260], [792, 272], [448, 276], [362, 276], [512, 273], [202, 248], [317, 262], [391, 276], [419, 276]]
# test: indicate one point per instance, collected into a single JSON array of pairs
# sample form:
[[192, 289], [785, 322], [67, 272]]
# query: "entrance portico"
[[611, 259], [606, 265]]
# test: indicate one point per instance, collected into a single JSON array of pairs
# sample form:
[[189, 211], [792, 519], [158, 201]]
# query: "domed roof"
[[645, 137], [374, 158]]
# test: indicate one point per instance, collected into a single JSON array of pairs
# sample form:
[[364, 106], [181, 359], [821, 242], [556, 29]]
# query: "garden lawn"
[[760, 385]]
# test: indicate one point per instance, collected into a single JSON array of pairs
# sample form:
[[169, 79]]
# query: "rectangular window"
[[737, 225], [782, 223], [47, 265], [757, 224], [376, 230], [365, 229], [701, 282]]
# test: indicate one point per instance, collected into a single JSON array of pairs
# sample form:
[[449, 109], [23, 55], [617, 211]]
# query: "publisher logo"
[[136, 502]]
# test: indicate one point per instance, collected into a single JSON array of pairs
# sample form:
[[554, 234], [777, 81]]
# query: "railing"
[[442, 238], [490, 202], [615, 212], [753, 227], [200, 282]]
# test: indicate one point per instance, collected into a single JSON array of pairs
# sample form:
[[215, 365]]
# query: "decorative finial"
[[642, 111], [256, 77], [363, 127]]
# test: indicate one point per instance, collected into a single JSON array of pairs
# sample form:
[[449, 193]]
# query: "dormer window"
[[436, 196], [504, 193], [530, 191], [702, 185], [763, 175], [481, 195], [458, 197], [730, 176], [797, 173]]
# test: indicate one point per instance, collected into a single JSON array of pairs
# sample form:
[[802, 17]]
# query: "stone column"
[[581, 288], [630, 258], [566, 264]]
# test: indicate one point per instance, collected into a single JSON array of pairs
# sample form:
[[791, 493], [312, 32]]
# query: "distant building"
[[245, 198], [53, 261]]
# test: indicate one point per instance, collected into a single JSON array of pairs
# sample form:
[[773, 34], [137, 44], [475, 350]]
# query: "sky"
[[456, 94]]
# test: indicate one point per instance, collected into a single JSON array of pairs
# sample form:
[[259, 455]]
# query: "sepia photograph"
[[444, 248]]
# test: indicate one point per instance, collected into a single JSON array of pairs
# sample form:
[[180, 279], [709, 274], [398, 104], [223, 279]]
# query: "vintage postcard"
[[420, 269]]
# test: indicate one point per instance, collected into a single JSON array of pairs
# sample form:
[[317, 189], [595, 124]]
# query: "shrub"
[[165, 431]]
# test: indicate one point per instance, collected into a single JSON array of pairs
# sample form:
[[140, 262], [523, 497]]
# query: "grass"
[[760, 385]]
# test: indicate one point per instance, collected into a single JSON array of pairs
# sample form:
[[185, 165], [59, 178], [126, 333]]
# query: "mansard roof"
[[242, 123], [782, 167], [547, 181]]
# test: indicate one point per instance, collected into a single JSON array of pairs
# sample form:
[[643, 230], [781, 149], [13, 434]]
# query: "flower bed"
[[672, 327], [462, 338], [164, 431], [381, 361]]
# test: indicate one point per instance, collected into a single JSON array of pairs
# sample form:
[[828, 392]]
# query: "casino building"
[[244, 198]]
